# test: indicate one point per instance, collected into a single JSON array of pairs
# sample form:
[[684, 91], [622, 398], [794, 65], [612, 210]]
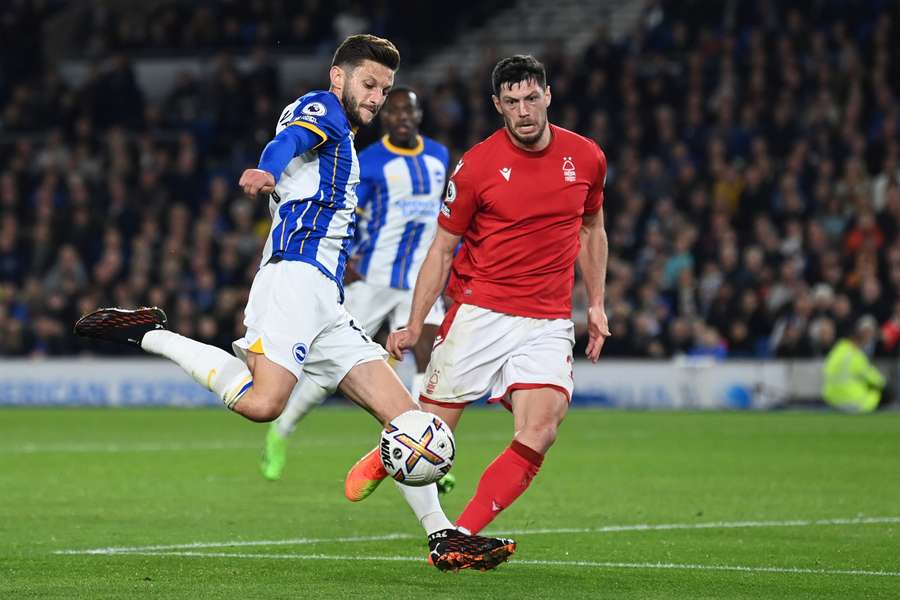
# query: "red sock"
[[502, 482]]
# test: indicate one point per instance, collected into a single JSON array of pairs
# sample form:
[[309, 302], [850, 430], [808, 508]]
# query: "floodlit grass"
[[87, 479]]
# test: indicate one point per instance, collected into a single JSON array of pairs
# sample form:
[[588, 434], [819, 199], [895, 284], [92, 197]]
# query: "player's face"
[[524, 109], [364, 91], [401, 116]]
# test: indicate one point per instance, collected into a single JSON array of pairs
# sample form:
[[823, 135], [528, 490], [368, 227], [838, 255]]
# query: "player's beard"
[[351, 108], [528, 140]]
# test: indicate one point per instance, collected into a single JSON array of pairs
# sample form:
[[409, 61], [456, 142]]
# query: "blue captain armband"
[[290, 143]]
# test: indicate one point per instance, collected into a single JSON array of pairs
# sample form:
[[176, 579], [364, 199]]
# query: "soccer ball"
[[417, 448]]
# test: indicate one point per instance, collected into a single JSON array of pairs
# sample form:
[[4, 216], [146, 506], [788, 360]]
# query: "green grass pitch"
[[636, 505]]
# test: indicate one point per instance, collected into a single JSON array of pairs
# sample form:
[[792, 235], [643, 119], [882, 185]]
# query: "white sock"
[[211, 367], [305, 396], [424, 502], [416, 387]]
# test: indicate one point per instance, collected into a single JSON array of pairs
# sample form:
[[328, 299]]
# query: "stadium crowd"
[[752, 203]]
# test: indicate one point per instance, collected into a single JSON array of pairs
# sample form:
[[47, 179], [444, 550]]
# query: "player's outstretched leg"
[[213, 368], [305, 396], [452, 550], [121, 325]]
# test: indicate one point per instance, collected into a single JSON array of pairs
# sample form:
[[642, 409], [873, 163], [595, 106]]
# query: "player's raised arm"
[[429, 285], [290, 142]]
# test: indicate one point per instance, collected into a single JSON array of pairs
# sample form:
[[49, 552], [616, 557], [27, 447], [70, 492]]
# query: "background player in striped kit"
[[402, 180]]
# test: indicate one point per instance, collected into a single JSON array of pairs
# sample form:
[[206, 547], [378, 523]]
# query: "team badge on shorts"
[[300, 351]]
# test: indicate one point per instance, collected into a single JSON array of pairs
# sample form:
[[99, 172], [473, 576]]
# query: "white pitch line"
[[240, 544], [401, 536], [553, 563], [708, 525]]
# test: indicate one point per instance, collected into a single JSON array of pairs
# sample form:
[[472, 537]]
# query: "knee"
[[269, 413], [539, 437], [261, 408]]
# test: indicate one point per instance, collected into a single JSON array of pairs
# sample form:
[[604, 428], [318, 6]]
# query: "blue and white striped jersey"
[[314, 204], [400, 195]]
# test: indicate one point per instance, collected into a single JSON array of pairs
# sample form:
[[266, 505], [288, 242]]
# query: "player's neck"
[[401, 147], [409, 143], [539, 145]]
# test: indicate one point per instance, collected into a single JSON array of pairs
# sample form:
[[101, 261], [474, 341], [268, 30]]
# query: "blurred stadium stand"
[[753, 198]]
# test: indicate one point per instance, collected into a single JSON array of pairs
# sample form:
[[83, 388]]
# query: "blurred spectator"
[[707, 342], [822, 335], [851, 382]]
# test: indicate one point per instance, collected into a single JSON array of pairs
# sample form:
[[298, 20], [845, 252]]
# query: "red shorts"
[[479, 351]]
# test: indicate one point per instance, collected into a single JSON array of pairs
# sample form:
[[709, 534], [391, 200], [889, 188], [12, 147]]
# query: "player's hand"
[[257, 181], [402, 339], [351, 274], [598, 331]]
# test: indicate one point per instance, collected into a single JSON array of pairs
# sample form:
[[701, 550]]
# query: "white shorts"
[[479, 351], [370, 305], [294, 317]]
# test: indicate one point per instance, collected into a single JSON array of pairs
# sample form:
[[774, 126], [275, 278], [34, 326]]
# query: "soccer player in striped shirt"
[[399, 196]]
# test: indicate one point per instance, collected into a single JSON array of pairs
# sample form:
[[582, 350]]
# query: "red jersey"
[[520, 213]]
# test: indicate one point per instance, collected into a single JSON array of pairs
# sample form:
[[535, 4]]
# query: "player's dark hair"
[[363, 46], [517, 69], [401, 88]]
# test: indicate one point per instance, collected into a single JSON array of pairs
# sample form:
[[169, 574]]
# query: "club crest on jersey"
[[568, 169], [314, 109], [300, 351]]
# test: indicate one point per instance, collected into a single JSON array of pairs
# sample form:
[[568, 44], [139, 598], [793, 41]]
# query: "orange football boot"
[[364, 476]]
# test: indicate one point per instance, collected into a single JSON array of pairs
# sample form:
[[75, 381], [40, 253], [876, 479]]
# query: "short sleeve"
[[594, 201], [319, 113], [460, 201]]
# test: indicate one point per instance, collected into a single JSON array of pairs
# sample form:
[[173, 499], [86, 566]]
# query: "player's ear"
[[338, 77], [547, 94], [496, 101]]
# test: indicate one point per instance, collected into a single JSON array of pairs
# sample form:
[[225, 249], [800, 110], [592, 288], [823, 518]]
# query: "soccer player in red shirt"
[[526, 204]]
